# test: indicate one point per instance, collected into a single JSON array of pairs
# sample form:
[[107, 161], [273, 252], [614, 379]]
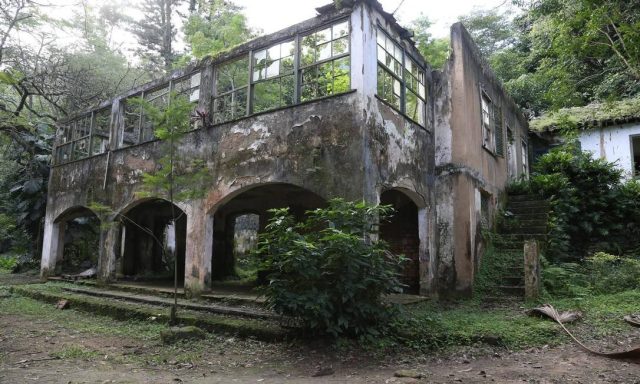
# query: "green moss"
[[580, 115], [51, 293]]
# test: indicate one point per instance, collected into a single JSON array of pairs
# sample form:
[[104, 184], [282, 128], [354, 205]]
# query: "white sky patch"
[[273, 15]]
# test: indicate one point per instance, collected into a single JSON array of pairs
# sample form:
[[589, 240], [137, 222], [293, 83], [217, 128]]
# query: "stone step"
[[163, 301], [516, 290], [524, 197], [512, 280], [519, 221], [543, 204], [521, 237], [261, 329], [216, 295], [538, 230], [532, 216], [518, 211]]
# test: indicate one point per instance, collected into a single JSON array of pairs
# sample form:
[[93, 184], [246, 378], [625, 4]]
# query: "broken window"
[[188, 87], [402, 86], [100, 131], [157, 98], [415, 100], [525, 158], [499, 132], [273, 78], [231, 87], [488, 138], [132, 116], [324, 63], [81, 129]]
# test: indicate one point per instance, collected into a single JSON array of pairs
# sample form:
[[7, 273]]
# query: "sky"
[[274, 15]]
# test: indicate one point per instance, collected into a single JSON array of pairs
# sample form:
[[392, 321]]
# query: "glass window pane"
[[287, 49], [273, 69], [266, 95], [323, 35], [273, 53], [340, 46], [342, 66], [341, 29], [232, 75], [286, 65], [259, 57], [324, 51]]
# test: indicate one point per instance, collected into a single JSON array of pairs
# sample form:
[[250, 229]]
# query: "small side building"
[[610, 131]]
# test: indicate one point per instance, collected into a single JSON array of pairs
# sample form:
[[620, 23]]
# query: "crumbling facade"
[[341, 105]]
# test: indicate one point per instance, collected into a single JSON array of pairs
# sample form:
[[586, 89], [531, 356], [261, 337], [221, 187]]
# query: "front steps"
[[122, 305], [525, 218]]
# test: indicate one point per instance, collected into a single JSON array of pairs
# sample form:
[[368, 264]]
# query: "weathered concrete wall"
[[612, 143], [466, 170]]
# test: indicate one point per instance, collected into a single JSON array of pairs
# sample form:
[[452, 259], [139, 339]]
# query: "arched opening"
[[401, 233], [153, 235], [237, 222], [80, 229]]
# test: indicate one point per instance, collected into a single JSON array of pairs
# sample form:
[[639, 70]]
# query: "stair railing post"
[[531, 269]]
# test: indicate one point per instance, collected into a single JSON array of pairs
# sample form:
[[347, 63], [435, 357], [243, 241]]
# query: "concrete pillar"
[[531, 269], [198, 252], [52, 247], [424, 254], [110, 243]]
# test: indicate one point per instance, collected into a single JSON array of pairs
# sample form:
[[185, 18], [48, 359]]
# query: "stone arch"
[[402, 232], [152, 236], [256, 199], [78, 241]]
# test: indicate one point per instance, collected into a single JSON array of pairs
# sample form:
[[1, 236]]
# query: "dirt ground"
[[27, 347]]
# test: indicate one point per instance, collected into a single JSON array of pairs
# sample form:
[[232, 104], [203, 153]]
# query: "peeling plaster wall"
[[612, 144], [464, 168]]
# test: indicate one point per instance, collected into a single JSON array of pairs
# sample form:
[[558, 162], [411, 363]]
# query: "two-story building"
[[341, 105]]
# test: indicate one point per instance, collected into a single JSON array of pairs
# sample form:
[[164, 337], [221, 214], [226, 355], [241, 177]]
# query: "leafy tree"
[[327, 272], [156, 32], [492, 31], [435, 51], [215, 26]]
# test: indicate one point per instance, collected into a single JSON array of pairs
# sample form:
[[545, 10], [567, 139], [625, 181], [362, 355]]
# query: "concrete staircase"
[[525, 218]]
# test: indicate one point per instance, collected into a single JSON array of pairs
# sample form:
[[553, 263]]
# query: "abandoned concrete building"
[[341, 105]]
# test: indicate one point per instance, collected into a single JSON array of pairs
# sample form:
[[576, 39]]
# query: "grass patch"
[[437, 326], [75, 352], [73, 319]]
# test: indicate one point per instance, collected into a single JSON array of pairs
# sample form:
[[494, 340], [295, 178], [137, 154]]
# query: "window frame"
[[487, 127], [279, 77], [300, 67], [247, 87], [401, 78]]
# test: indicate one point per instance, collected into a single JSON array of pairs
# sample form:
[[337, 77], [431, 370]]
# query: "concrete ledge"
[[260, 329]]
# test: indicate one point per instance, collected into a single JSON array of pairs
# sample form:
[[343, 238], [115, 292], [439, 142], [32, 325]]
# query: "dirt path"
[[27, 348]]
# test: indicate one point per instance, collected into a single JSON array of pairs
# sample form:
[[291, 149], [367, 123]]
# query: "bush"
[[591, 205], [612, 274], [8, 262], [327, 272], [601, 273]]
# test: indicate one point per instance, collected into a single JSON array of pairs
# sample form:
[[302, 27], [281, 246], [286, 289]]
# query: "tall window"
[[273, 77], [159, 98], [488, 138], [401, 81], [231, 87], [324, 62], [415, 94], [100, 131], [525, 158], [132, 116]]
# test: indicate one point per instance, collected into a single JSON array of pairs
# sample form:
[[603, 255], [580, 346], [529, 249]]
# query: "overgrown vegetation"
[[329, 271], [593, 207]]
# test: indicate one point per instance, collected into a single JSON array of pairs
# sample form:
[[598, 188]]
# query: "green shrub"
[[592, 207], [612, 274], [8, 262], [327, 271], [564, 280]]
